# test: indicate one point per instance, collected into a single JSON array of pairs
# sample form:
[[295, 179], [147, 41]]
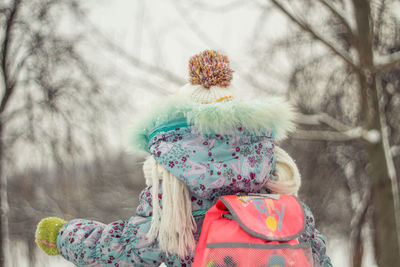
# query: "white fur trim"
[[288, 176]]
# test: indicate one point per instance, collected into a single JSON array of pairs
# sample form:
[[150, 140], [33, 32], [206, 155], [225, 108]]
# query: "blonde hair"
[[173, 225], [286, 180]]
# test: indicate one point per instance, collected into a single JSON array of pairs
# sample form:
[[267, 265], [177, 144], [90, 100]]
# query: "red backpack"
[[254, 231]]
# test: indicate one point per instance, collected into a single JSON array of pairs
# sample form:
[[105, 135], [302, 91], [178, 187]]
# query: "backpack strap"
[[267, 216]]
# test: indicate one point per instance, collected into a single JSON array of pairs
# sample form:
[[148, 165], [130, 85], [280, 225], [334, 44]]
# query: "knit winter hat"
[[213, 105], [210, 78]]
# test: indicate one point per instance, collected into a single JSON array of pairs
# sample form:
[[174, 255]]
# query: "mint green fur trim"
[[255, 116], [172, 109]]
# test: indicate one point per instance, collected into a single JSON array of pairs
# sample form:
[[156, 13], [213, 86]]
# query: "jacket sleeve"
[[120, 244], [316, 240]]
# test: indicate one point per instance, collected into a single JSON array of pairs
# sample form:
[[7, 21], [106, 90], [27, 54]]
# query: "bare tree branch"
[[388, 155], [218, 8], [337, 51], [342, 133], [371, 136], [8, 84], [339, 14], [19, 67], [151, 69], [356, 226], [360, 210], [4, 119], [360, 197], [316, 119], [3, 10], [379, 20], [387, 63], [194, 26]]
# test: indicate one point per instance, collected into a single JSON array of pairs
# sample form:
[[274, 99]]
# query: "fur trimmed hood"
[[255, 116]]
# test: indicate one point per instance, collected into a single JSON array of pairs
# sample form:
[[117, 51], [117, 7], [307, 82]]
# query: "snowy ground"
[[338, 250]]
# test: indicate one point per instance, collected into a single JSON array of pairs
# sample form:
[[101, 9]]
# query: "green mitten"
[[46, 234]]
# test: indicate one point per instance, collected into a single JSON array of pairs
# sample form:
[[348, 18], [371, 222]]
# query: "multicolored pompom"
[[210, 68]]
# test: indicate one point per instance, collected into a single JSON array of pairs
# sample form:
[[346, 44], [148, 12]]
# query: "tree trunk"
[[357, 242], [386, 244], [384, 220], [1, 200], [357, 249], [385, 235]]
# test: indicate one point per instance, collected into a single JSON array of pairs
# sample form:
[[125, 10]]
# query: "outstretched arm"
[[120, 244], [316, 239]]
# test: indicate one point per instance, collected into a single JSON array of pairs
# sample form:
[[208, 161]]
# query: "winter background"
[[80, 72]]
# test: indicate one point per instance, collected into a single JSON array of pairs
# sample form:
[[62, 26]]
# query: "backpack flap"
[[253, 231], [269, 217]]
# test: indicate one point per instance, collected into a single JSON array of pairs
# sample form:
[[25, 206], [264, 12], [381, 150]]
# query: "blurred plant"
[[51, 102], [345, 64]]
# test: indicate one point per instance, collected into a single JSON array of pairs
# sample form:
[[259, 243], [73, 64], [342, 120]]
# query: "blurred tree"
[[105, 189], [51, 103], [345, 81]]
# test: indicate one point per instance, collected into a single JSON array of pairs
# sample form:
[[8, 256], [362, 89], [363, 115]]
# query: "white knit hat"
[[210, 78], [202, 95]]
